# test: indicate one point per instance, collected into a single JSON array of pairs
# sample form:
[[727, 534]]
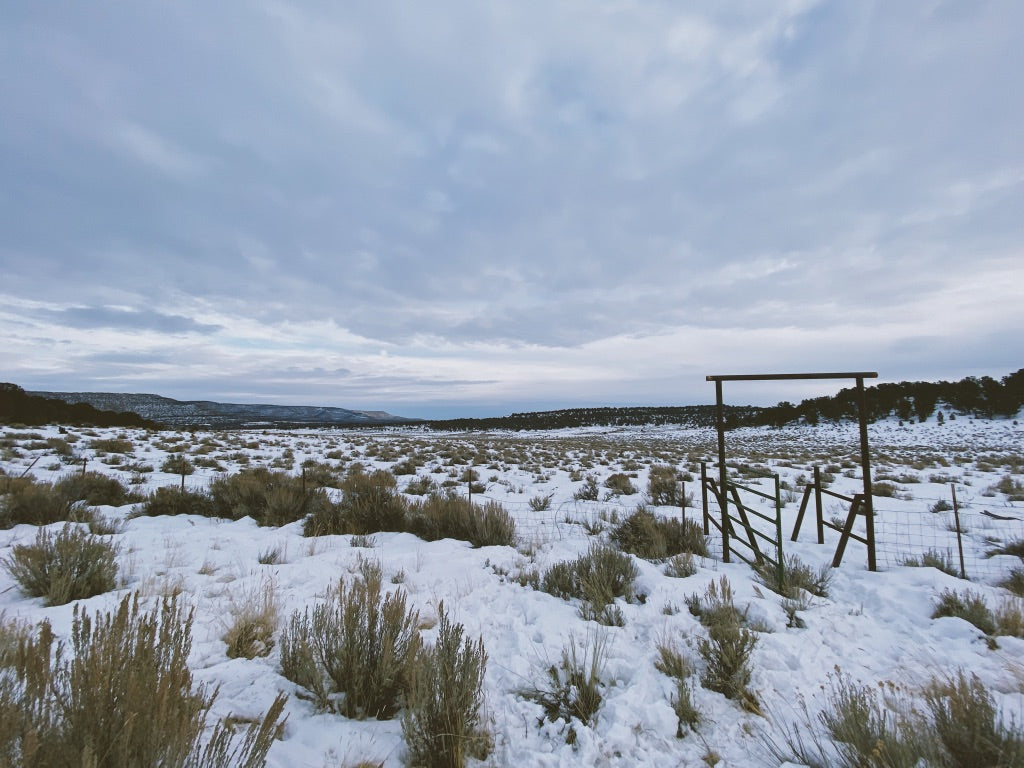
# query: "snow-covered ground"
[[874, 626]]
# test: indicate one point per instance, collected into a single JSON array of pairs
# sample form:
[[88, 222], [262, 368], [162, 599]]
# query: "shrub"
[[796, 576], [26, 501], [541, 503], [356, 643], [443, 719], [663, 486], [1013, 547], [420, 486], [885, 490], [596, 578], [655, 538], [969, 606], [111, 445], [268, 497], [619, 484], [69, 565], [726, 653], [574, 689], [450, 516], [370, 503], [869, 731], [957, 725], [969, 725], [1014, 582], [95, 488], [177, 465], [589, 491], [124, 696], [727, 649], [174, 501]]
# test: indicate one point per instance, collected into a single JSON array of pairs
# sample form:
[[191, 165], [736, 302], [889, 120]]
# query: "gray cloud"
[[126, 319], [464, 187]]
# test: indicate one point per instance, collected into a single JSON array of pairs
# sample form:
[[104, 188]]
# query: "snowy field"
[[873, 626]]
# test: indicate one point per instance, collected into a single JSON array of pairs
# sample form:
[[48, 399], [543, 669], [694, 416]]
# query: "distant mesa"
[[206, 413]]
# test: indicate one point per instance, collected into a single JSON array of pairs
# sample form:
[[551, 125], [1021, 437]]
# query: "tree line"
[[19, 407]]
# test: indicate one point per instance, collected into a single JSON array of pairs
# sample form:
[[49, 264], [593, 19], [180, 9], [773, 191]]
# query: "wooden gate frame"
[[865, 506]]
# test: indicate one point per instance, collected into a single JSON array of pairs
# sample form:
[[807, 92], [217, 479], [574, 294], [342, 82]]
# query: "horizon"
[[483, 411], [500, 208]]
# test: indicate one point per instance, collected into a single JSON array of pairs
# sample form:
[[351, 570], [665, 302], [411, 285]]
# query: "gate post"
[[723, 499]]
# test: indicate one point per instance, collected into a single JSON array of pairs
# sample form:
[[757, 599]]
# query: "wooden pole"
[[865, 463], [723, 501], [959, 537], [817, 505]]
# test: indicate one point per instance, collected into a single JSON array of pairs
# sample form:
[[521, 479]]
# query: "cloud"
[[126, 320], [493, 193]]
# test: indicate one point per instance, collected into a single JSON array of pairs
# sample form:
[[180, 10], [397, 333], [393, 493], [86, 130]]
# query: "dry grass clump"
[[71, 564], [969, 725], [596, 578], [443, 721], [573, 690], [252, 622], [672, 663], [452, 517], [589, 491], [26, 501], [953, 723], [370, 503], [174, 501], [969, 606], [933, 558], [358, 643], [122, 697], [680, 566], [794, 578], [728, 648], [664, 486], [268, 497], [111, 445], [619, 484], [655, 538], [177, 464], [95, 488]]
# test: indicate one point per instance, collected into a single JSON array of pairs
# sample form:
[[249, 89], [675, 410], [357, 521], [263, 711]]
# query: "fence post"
[[817, 504], [84, 462], [778, 531], [959, 538], [682, 500], [183, 466], [704, 495]]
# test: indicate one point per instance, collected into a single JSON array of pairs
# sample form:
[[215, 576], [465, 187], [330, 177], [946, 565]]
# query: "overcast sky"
[[472, 208]]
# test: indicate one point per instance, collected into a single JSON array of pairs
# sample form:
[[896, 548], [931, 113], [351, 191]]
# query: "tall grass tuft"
[[574, 690], [596, 578], [358, 643], [122, 697], [655, 538], [447, 516], [443, 719]]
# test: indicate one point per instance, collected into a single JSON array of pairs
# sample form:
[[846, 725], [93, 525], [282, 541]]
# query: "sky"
[[467, 209]]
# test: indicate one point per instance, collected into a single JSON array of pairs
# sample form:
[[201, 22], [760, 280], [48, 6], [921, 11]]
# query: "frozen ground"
[[874, 626]]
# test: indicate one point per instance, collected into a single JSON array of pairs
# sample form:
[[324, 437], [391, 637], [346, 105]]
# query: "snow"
[[874, 626]]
